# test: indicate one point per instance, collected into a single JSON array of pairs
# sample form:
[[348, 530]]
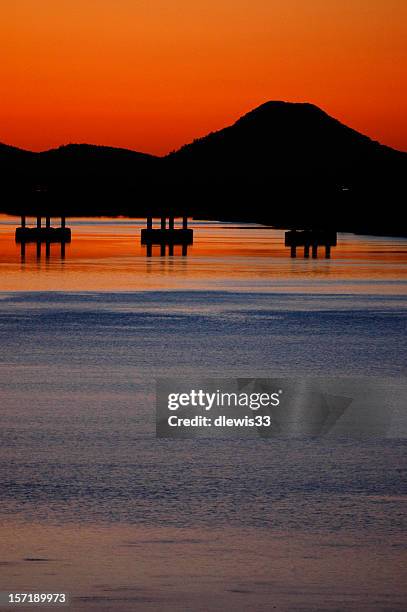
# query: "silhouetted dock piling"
[[43, 233], [38, 249], [167, 235], [310, 239], [181, 249]]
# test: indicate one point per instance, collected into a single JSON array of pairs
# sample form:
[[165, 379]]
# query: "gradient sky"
[[153, 74]]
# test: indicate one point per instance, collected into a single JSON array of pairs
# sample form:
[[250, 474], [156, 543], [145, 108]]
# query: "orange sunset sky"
[[153, 74]]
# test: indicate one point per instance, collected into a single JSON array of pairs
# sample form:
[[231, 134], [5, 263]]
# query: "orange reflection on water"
[[107, 255]]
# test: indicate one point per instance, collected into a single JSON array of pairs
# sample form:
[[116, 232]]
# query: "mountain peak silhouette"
[[281, 107], [290, 116], [292, 129], [286, 163]]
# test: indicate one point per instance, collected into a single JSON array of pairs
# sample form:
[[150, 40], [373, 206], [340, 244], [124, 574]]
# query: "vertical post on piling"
[[48, 222], [184, 250], [38, 222], [171, 250], [185, 222], [306, 250], [327, 251], [163, 222], [22, 250], [47, 250], [314, 251], [293, 250], [23, 221], [63, 222], [149, 249], [38, 250], [162, 250], [149, 223], [62, 250], [171, 223]]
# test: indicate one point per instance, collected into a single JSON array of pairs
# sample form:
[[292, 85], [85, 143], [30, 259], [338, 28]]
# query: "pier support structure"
[[38, 249], [164, 235], [162, 249], [310, 239], [40, 233]]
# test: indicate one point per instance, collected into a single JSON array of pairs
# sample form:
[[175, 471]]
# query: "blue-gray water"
[[92, 503], [77, 388]]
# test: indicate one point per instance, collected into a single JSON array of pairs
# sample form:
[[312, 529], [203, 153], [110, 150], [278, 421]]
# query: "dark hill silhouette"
[[76, 178], [13, 159], [292, 163], [287, 139], [282, 163], [83, 159]]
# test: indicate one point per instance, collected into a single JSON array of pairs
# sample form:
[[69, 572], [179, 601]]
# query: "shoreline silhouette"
[[283, 164]]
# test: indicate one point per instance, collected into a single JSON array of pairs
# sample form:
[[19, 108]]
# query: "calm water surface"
[[106, 255], [93, 504]]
